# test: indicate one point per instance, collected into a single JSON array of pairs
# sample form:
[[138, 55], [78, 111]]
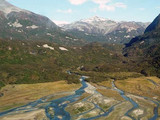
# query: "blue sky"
[[66, 11]]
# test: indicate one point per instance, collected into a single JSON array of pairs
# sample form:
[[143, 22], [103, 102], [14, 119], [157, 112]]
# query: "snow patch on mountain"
[[32, 27], [63, 49], [47, 46], [127, 36], [68, 37], [17, 24], [93, 19], [96, 25]]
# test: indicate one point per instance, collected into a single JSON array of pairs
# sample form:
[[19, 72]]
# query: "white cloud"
[[101, 1], [65, 11], [120, 5], [60, 22], [77, 2], [105, 5], [112, 7]]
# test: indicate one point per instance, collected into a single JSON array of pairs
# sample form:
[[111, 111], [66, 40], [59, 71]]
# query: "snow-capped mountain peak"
[[91, 25], [107, 29], [94, 19]]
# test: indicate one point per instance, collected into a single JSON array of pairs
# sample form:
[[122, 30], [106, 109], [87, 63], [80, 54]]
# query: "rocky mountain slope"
[[105, 30], [16, 23], [145, 49]]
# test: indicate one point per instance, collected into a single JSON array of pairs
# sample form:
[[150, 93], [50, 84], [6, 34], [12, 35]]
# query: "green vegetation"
[[1, 84], [144, 50], [29, 62], [25, 62], [97, 77]]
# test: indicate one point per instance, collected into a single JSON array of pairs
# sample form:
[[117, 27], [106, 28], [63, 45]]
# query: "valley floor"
[[128, 99], [18, 95]]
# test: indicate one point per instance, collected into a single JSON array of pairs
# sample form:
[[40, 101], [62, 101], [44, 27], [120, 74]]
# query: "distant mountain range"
[[105, 30], [16, 23], [20, 24]]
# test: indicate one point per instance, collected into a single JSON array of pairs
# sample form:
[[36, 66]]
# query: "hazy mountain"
[[16, 23], [105, 30]]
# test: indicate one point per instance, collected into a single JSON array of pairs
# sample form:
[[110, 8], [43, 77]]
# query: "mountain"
[[145, 49], [105, 30], [154, 26], [16, 23]]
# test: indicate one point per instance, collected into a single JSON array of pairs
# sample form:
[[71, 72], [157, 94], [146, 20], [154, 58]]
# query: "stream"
[[55, 109], [135, 105]]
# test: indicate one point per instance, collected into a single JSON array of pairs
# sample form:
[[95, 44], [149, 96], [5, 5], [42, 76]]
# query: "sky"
[[67, 11]]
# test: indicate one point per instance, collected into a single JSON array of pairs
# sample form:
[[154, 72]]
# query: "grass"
[[17, 95], [79, 107], [145, 105], [140, 86], [118, 112], [107, 77], [93, 113], [107, 83], [110, 93]]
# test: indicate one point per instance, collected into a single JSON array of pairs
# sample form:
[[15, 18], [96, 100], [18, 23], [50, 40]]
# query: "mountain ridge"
[[154, 25], [20, 24], [106, 29], [145, 49]]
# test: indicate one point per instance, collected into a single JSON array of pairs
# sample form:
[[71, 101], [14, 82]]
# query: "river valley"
[[88, 103]]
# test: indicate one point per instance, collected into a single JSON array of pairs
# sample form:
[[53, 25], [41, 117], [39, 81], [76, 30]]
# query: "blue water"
[[58, 107], [60, 104], [135, 105], [155, 109]]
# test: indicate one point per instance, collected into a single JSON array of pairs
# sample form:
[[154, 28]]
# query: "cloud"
[[112, 7], [120, 5], [105, 5], [60, 22], [77, 2], [101, 1], [65, 11]]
